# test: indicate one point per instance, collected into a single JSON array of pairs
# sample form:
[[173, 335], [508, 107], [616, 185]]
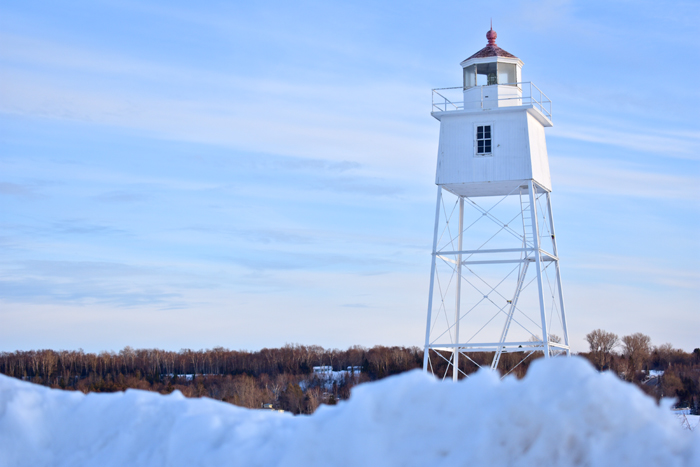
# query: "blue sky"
[[245, 175]]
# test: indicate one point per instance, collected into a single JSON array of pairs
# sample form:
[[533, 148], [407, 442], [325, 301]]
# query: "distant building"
[[329, 369], [653, 377], [271, 408]]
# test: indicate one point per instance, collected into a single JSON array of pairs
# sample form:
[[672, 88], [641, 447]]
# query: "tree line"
[[247, 379], [660, 371], [285, 377]]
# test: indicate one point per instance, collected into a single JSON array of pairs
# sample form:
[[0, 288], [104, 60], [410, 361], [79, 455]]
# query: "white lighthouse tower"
[[495, 289]]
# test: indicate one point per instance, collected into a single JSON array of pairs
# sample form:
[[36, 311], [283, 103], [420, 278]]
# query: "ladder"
[[528, 242], [526, 215]]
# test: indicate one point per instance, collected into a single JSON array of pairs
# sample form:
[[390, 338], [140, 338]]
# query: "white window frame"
[[476, 144]]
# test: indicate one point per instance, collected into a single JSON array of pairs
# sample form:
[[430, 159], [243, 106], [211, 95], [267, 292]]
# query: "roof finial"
[[491, 35]]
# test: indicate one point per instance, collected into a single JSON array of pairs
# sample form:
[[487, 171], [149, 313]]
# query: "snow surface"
[[691, 421], [326, 376], [563, 413]]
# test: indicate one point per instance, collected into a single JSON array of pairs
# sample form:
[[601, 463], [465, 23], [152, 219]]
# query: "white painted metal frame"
[[538, 223], [532, 95]]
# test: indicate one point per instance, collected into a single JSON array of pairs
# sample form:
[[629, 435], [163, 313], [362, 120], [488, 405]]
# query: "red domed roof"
[[491, 36], [491, 49]]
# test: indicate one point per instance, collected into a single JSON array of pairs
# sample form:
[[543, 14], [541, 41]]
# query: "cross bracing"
[[495, 282]]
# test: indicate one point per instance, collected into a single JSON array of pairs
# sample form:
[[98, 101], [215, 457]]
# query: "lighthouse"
[[495, 295]]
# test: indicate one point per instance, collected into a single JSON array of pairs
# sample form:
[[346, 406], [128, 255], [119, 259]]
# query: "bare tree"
[[637, 349], [553, 338], [601, 345]]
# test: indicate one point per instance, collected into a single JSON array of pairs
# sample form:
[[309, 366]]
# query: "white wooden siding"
[[519, 152], [538, 152]]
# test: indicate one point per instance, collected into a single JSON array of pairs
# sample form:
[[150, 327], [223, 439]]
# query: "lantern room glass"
[[487, 74], [506, 74], [470, 77]]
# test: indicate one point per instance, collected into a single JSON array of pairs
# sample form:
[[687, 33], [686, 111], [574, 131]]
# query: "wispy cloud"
[[355, 305], [48, 291], [297, 163], [264, 236], [84, 227], [77, 270], [18, 189], [622, 179], [361, 185], [547, 13], [641, 271], [88, 282], [29, 227], [351, 125], [667, 144], [120, 196], [269, 259]]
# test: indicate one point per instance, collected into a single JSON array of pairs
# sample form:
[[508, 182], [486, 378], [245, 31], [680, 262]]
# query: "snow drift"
[[563, 413]]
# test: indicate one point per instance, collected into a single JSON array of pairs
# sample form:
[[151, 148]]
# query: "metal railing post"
[[537, 102]]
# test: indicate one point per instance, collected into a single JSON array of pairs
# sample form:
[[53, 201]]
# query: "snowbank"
[[562, 414]]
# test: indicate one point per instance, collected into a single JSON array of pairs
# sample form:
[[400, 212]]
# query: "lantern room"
[[491, 77], [493, 141]]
